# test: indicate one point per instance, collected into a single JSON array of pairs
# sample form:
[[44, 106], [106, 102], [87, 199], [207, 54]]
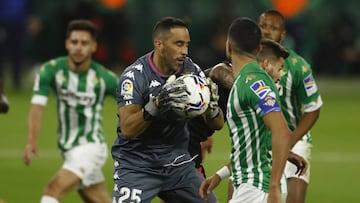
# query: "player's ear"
[[94, 47], [228, 48], [157, 44], [67, 44], [282, 35], [265, 64]]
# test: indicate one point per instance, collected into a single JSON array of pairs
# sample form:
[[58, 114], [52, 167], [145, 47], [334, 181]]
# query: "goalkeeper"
[[151, 150]]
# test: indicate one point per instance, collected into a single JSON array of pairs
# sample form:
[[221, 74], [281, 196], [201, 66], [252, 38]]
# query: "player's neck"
[[78, 67], [162, 68], [239, 61]]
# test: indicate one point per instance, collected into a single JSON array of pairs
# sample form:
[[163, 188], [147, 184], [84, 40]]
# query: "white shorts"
[[86, 162], [303, 149], [247, 193]]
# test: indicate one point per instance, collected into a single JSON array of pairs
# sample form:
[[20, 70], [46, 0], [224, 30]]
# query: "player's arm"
[[34, 124], [222, 75], [304, 125], [213, 116], [132, 120], [280, 149], [209, 184]]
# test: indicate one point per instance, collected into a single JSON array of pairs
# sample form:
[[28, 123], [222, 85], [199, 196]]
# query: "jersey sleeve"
[[131, 86], [42, 85], [111, 83], [263, 96], [307, 89]]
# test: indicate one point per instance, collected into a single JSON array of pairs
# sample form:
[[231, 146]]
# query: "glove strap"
[[147, 116], [215, 113]]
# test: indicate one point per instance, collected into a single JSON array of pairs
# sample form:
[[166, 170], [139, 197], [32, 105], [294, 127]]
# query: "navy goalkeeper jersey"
[[165, 141]]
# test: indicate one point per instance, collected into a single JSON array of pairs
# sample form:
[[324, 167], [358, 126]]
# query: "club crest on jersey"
[[269, 104], [260, 88], [310, 85], [127, 89]]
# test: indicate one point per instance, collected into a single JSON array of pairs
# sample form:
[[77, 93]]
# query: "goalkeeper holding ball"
[[151, 150]]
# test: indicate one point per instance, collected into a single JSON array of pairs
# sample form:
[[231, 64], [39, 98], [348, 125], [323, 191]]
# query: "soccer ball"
[[198, 96]]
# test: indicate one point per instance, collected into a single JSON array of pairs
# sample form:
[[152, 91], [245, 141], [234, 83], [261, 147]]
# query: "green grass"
[[335, 158]]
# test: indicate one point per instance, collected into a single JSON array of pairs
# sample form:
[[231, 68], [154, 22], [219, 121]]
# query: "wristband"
[[147, 116], [224, 172], [215, 113]]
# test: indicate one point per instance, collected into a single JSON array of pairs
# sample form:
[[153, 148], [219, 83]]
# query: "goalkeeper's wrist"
[[214, 113], [223, 173]]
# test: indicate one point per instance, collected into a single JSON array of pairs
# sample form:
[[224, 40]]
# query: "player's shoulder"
[[102, 70], [295, 60], [56, 62], [297, 65]]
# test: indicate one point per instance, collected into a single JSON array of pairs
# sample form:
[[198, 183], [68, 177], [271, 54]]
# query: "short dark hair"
[[270, 49], [245, 35], [163, 26], [84, 25], [275, 13]]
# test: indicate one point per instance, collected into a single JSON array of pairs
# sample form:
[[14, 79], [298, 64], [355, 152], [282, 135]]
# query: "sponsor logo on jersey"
[[154, 83], [138, 67], [249, 77], [294, 60], [260, 88], [304, 69], [127, 89], [310, 85], [77, 98], [130, 75]]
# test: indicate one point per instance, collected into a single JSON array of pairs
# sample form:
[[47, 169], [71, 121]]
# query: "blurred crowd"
[[31, 31]]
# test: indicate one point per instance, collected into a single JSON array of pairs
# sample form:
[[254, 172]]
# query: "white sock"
[[48, 199]]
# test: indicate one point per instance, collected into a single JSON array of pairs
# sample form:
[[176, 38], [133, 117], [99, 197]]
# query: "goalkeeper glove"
[[173, 94], [213, 109]]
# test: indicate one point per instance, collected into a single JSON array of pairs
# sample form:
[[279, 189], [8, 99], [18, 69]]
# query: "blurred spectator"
[[14, 19], [115, 41], [337, 52]]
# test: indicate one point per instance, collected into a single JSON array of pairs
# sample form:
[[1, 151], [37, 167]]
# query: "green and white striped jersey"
[[298, 91], [80, 99], [253, 95]]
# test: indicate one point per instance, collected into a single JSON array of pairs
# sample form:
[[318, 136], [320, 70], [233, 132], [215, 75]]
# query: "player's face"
[[175, 48], [80, 46], [274, 68], [272, 27]]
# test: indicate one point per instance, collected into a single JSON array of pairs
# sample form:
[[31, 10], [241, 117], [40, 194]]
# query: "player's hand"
[[213, 108], [274, 195], [174, 94], [299, 162], [31, 148], [208, 185], [4, 103]]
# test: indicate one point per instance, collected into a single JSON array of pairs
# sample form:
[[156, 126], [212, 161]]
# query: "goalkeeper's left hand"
[[213, 109]]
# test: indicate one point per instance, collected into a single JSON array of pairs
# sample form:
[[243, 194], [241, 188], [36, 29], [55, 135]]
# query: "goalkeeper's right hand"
[[172, 95], [4, 103]]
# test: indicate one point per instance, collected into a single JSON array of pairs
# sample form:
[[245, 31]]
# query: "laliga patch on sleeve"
[[269, 104], [127, 89], [310, 85], [260, 88]]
